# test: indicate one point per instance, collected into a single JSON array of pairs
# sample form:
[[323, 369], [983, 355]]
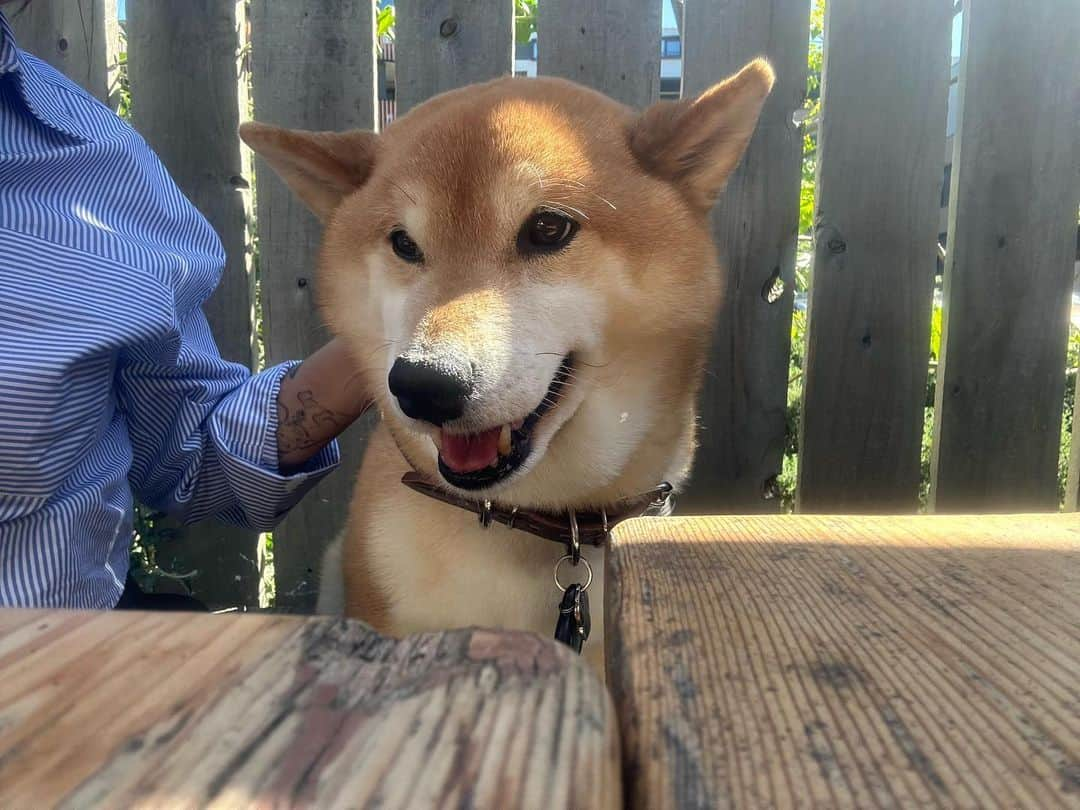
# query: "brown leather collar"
[[592, 527]]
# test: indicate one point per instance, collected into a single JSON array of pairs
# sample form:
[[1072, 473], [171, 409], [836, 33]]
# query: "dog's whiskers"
[[561, 187], [382, 347], [566, 183]]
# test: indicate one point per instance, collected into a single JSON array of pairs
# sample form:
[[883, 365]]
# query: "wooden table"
[[754, 662], [120, 710], [842, 662]]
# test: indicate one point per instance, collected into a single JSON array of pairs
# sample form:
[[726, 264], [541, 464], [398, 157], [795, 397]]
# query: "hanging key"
[[574, 623]]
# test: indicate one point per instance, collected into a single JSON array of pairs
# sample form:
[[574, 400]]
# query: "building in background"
[[386, 77], [525, 59], [670, 63]]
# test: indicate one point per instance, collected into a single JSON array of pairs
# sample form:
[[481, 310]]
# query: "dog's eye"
[[546, 231], [405, 247]]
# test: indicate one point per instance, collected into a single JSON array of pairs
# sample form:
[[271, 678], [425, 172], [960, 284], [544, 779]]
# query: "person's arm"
[[316, 401], [205, 432]]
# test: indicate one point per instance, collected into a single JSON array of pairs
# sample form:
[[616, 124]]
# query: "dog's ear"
[[696, 143], [320, 167]]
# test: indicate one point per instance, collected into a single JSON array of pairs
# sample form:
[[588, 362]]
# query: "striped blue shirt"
[[110, 381]]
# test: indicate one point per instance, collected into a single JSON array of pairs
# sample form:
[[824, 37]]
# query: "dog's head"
[[525, 271]]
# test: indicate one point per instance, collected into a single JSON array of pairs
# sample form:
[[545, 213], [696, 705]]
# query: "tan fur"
[[633, 297]]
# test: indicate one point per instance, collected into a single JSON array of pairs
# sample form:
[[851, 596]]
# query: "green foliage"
[[152, 529], [120, 87], [806, 195], [924, 456], [803, 262], [935, 334], [789, 471], [1067, 418], [524, 20], [385, 18], [815, 59]]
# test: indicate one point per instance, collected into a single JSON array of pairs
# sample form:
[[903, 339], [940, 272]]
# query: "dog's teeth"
[[504, 441]]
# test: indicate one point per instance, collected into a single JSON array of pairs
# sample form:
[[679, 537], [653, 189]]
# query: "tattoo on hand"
[[295, 427]]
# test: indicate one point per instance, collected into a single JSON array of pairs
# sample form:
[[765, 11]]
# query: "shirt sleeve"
[[204, 432]]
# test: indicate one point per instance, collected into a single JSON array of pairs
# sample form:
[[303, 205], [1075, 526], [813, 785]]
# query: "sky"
[[669, 15]]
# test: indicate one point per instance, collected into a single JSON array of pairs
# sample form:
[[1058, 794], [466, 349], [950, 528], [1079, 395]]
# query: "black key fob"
[[573, 625]]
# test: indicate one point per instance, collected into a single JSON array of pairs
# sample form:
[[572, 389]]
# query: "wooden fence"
[[1012, 220]]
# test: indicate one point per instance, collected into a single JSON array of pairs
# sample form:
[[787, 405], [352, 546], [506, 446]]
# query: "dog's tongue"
[[466, 454]]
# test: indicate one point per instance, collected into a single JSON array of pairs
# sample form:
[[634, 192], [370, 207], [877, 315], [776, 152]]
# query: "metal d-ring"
[[574, 546], [603, 517], [512, 518], [486, 515], [588, 573]]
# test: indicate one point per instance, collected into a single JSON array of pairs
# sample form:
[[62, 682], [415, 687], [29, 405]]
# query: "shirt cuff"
[[244, 430]]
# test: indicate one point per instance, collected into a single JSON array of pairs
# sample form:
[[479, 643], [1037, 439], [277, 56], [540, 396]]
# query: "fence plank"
[[610, 45], [77, 37], [313, 67], [196, 140], [1009, 268], [882, 134], [444, 44], [756, 225]]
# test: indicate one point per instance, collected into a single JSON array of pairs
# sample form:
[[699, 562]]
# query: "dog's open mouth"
[[478, 460]]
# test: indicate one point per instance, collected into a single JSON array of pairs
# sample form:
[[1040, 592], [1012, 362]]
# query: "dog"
[[524, 273]]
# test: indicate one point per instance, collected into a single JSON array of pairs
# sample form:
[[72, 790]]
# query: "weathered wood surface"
[[187, 101], [1009, 268], [77, 37], [847, 662], [609, 45], [445, 44], [884, 92], [744, 400], [159, 710], [313, 68]]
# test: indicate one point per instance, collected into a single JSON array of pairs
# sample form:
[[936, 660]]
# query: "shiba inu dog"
[[525, 274]]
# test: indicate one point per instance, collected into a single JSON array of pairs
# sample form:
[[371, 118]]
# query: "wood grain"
[[847, 662], [156, 710], [884, 91], [744, 399], [313, 68], [77, 37], [609, 45], [1009, 268], [191, 125], [445, 44]]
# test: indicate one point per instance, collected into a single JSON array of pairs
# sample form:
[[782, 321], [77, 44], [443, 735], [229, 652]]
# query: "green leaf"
[[935, 334], [384, 23], [524, 21]]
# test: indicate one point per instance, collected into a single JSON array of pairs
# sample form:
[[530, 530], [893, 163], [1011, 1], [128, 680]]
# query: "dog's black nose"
[[434, 394]]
